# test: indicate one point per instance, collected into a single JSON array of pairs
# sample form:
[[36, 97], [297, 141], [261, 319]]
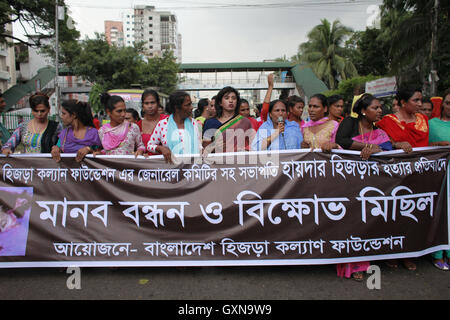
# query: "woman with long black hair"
[[220, 133], [177, 134], [37, 135], [119, 137], [80, 136]]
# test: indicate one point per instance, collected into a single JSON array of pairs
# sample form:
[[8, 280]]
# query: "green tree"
[[161, 72], [108, 66], [112, 67], [37, 19], [351, 87], [94, 97], [368, 52], [325, 53], [407, 27]]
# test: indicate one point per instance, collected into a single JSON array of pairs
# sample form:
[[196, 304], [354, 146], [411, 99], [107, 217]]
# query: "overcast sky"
[[237, 31]]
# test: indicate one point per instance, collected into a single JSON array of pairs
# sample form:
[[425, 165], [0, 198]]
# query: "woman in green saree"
[[228, 131]]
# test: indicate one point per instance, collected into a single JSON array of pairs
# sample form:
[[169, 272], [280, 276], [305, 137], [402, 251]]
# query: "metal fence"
[[12, 121]]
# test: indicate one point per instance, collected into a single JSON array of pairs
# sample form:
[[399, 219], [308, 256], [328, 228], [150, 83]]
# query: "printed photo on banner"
[[15, 210]]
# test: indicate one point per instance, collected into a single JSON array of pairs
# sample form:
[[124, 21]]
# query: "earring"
[[364, 114]]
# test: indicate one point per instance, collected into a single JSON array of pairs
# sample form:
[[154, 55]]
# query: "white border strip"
[[217, 263], [212, 155]]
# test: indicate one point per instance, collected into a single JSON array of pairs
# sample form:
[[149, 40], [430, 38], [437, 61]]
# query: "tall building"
[[114, 33], [158, 30], [128, 27], [7, 63]]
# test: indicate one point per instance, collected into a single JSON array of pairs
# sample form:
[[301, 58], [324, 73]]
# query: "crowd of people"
[[281, 126]]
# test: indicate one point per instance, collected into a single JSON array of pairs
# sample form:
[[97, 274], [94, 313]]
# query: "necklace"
[[149, 125], [34, 128], [36, 135]]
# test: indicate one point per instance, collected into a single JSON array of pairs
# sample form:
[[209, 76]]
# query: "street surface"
[[224, 283]]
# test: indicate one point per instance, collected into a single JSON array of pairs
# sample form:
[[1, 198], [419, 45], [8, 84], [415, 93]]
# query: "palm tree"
[[325, 54]]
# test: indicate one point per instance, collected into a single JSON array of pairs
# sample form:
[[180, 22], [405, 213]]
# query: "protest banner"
[[284, 208]]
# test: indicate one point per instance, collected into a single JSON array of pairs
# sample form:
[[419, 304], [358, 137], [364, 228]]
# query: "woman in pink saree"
[[320, 131]]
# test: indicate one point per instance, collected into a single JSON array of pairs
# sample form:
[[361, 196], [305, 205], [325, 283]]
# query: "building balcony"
[[4, 75]]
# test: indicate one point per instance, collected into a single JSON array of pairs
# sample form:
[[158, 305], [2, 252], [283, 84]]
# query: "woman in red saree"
[[407, 128], [151, 116]]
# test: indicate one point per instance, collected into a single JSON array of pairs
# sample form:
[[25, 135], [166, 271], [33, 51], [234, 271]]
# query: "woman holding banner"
[[150, 114], [360, 133], [277, 133], [407, 128], [440, 136], [37, 135], [228, 131], [178, 134], [119, 137], [320, 131], [80, 136]]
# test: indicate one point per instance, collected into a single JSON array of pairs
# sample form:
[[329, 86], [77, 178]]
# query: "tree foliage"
[[325, 53], [401, 47], [113, 67], [351, 87], [406, 28], [369, 53], [108, 66], [37, 19], [161, 72]]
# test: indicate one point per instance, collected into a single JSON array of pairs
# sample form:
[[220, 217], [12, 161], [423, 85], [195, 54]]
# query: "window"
[[165, 32]]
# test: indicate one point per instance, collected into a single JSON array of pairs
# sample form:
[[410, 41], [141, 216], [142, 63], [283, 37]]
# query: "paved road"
[[238, 283]]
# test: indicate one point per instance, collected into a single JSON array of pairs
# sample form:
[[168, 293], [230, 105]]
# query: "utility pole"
[[57, 54], [433, 51]]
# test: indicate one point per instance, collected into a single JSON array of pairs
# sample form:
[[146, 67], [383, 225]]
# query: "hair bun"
[[104, 97]]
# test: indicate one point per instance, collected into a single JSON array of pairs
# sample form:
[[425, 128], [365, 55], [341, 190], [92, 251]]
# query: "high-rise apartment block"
[[114, 33], [157, 29], [7, 63]]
